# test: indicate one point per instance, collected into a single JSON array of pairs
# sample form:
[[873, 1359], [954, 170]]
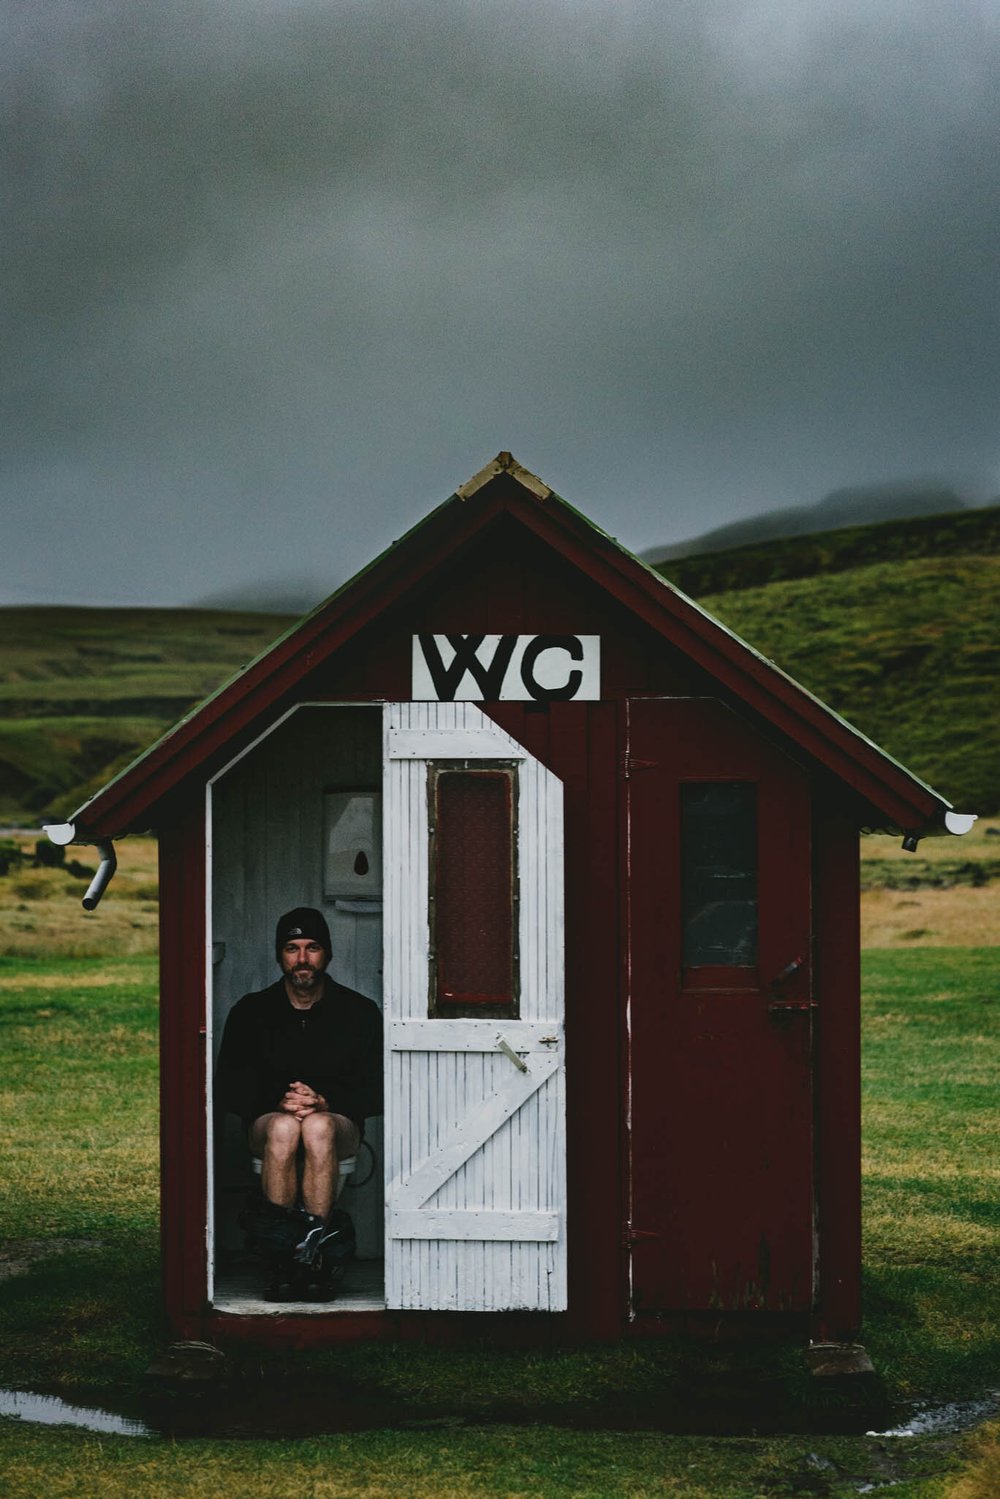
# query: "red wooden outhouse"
[[598, 861]]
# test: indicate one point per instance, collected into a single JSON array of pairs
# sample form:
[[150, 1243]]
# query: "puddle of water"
[[248, 1412], [49, 1410], [941, 1419]]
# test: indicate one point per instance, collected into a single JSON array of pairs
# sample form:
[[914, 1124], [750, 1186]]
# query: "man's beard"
[[304, 980]]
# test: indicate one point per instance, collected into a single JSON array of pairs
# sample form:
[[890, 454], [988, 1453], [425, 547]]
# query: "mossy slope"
[[908, 651]]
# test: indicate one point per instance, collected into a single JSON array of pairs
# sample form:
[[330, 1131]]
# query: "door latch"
[[509, 1051]]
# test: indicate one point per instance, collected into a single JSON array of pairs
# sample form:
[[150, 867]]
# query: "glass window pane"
[[719, 873], [474, 889]]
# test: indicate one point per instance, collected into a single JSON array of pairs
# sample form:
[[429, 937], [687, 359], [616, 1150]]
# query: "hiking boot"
[[272, 1232], [317, 1283], [282, 1286], [309, 1246]]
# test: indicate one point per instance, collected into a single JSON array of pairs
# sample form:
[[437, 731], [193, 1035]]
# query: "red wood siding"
[[837, 903], [183, 1139]]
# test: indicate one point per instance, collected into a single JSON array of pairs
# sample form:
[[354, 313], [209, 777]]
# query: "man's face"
[[303, 963]]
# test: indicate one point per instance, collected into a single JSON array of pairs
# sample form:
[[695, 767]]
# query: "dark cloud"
[[278, 276]]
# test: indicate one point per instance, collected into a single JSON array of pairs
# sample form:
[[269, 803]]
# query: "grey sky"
[[278, 276]]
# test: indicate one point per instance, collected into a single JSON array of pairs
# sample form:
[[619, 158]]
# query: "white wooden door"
[[475, 1135]]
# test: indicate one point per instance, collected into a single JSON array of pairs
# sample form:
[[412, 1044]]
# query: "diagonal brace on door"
[[472, 1134]]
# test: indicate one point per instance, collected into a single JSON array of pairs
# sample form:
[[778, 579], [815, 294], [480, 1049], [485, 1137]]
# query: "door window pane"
[[719, 873], [473, 893]]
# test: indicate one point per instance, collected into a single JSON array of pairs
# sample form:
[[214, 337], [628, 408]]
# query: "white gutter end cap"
[[60, 832], [960, 822]]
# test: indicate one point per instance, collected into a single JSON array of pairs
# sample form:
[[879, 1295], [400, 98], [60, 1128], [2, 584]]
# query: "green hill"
[[83, 691], [895, 625], [964, 533], [909, 651]]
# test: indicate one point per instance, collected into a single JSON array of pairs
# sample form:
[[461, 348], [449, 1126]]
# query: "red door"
[[719, 1014]]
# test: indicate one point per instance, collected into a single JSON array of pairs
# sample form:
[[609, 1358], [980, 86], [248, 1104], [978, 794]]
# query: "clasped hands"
[[301, 1100]]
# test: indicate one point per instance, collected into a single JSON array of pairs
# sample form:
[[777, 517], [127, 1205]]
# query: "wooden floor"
[[238, 1290]]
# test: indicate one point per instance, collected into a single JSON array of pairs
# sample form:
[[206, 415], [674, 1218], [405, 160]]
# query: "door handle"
[[779, 1006], [788, 970]]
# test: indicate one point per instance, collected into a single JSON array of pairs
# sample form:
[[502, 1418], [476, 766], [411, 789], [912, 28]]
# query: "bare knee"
[[282, 1134], [319, 1134]]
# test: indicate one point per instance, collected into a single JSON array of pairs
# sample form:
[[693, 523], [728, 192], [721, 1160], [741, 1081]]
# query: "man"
[[301, 1064]]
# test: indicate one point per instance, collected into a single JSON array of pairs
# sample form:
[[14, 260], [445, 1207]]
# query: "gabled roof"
[[130, 801]]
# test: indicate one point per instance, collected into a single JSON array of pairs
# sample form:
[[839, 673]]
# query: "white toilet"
[[345, 1168]]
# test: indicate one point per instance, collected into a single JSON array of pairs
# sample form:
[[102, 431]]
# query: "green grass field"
[[80, 1309]]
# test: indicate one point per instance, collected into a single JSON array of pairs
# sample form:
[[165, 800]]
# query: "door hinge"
[[631, 763], [634, 1235]]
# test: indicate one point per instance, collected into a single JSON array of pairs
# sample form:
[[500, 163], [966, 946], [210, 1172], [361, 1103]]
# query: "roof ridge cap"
[[505, 463]]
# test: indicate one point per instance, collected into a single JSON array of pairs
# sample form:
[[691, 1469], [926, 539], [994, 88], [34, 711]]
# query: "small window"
[[473, 893], [719, 873]]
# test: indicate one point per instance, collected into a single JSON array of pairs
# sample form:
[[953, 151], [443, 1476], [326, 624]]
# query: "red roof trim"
[[431, 547]]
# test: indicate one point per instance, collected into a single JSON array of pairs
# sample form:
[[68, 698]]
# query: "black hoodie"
[[335, 1047]]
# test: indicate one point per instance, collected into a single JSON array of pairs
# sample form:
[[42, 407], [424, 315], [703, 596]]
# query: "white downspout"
[[62, 833]]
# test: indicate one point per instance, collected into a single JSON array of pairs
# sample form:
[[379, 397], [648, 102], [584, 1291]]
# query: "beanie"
[[304, 922]]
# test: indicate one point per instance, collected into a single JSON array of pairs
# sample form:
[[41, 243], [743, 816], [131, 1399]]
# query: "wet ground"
[[247, 1407], [52, 1410], [934, 1420]]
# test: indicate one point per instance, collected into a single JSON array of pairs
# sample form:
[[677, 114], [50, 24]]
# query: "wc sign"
[[498, 668]]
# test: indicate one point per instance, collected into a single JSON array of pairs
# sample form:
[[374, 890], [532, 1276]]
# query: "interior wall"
[[267, 857]]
